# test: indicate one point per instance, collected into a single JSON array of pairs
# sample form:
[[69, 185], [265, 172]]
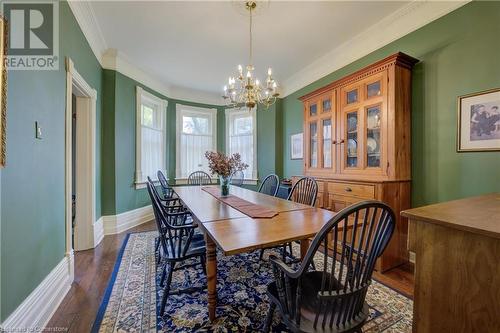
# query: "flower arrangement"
[[224, 166]]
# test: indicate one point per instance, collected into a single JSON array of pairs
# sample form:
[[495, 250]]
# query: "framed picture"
[[3, 89], [479, 121], [297, 146]]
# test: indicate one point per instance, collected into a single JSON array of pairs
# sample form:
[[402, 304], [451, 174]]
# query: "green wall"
[[119, 132], [118, 189], [32, 191], [459, 54]]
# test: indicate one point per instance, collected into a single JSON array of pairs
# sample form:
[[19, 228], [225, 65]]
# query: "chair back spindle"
[[165, 186], [199, 178], [270, 185], [304, 191], [237, 178]]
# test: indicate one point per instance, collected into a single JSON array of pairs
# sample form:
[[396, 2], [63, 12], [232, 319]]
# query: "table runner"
[[246, 207]]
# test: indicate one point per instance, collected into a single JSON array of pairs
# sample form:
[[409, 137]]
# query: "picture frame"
[[297, 146], [3, 89], [478, 126]]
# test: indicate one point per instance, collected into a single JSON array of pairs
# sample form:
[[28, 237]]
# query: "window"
[[241, 137], [150, 139], [196, 134]]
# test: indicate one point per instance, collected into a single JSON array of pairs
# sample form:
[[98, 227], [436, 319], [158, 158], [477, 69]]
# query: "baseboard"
[[36, 310], [98, 231], [115, 224]]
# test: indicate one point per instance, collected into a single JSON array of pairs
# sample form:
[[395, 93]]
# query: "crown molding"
[[409, 18], [116, 60], [84, 15]]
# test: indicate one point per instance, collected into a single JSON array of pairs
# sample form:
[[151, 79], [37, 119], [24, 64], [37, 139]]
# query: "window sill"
[[142, 184]]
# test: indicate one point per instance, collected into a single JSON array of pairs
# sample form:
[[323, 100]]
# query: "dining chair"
[[171, 204], [179, 244], [332, 298], [237, 178], [199, 178], [270, 185], [304, 191], [167, 190]]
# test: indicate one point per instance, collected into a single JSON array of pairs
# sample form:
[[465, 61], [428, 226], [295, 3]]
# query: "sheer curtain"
[[196, 135], [151, 135], [241, 129]]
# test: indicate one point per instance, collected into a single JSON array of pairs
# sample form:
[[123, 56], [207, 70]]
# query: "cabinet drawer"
[[354, 190]]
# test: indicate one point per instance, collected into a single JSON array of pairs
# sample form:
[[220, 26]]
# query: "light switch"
[[38, 131]]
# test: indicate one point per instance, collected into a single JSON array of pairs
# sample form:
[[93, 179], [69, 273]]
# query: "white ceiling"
[[197, 45], [186, 49]]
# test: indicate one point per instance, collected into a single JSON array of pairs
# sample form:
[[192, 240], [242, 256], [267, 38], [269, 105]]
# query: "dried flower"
[[223, 165]]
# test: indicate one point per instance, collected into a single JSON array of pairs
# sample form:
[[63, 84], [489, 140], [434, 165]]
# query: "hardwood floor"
[[93, 269]]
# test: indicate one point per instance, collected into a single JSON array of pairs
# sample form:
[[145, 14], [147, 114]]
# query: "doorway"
[[82, 231]]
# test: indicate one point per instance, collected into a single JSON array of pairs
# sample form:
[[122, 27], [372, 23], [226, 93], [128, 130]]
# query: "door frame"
[[84, 166]]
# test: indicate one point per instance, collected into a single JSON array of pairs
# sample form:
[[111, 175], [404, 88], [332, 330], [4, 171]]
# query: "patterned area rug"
[[132, 299]]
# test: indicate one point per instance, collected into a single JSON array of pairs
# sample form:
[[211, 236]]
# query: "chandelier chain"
[[251, 51]]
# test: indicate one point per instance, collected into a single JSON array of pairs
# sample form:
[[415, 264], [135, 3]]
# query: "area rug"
[[131, 302]]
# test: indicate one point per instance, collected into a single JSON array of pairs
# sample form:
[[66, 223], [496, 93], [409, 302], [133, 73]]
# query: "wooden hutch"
[[357, 143]]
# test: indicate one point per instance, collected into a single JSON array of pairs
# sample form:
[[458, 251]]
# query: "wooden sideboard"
[[357, 143], [457, 265]]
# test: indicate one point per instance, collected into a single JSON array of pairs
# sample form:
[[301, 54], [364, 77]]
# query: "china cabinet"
[[357, 142]]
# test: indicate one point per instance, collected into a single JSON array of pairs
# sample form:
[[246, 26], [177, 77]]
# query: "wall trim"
[[407, 19], [115, 224], [35, 311], [98, 228]]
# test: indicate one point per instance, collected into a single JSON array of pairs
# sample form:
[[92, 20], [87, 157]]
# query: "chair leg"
[[157, 243], [166, 290], [269, 318], [159, 256], [163, 274], [284, 253], [290, 249], [261, 256], [203, 264]]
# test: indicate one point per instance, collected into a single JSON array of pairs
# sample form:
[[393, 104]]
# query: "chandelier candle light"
[[246, 89]]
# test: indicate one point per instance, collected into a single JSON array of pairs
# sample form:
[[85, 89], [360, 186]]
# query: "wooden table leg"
[[211, 276], [304, 246]]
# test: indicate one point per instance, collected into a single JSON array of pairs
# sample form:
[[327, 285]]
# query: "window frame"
[[232, 113], [141, 95], [180, 111]]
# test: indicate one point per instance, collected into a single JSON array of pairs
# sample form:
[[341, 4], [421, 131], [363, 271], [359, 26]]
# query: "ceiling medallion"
[[246, 90]]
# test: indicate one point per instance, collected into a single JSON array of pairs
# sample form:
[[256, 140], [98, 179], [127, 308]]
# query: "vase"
[[224, 185]]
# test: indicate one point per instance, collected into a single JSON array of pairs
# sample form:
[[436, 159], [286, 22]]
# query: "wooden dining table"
[[234, 232]]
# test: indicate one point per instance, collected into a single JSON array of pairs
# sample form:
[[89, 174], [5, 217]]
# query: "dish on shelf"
[[371, 145], [352, 124], [352, 147], [373, 121]]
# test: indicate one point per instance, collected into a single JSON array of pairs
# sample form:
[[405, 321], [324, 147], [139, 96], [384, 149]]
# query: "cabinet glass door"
[[327, 143], [373, 141], [352, 140], [313, 145]]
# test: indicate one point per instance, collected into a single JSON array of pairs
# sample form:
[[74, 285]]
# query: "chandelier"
[[246, 90]]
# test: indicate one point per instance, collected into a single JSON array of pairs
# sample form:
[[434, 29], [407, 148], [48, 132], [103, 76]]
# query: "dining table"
[[234, 232]]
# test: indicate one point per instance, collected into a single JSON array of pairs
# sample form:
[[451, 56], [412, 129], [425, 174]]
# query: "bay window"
[[150, 136], [241, 137], [196, 134]]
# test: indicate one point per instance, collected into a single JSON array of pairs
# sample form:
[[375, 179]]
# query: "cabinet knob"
[[348, 189], [334, 142], [342, 141]]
